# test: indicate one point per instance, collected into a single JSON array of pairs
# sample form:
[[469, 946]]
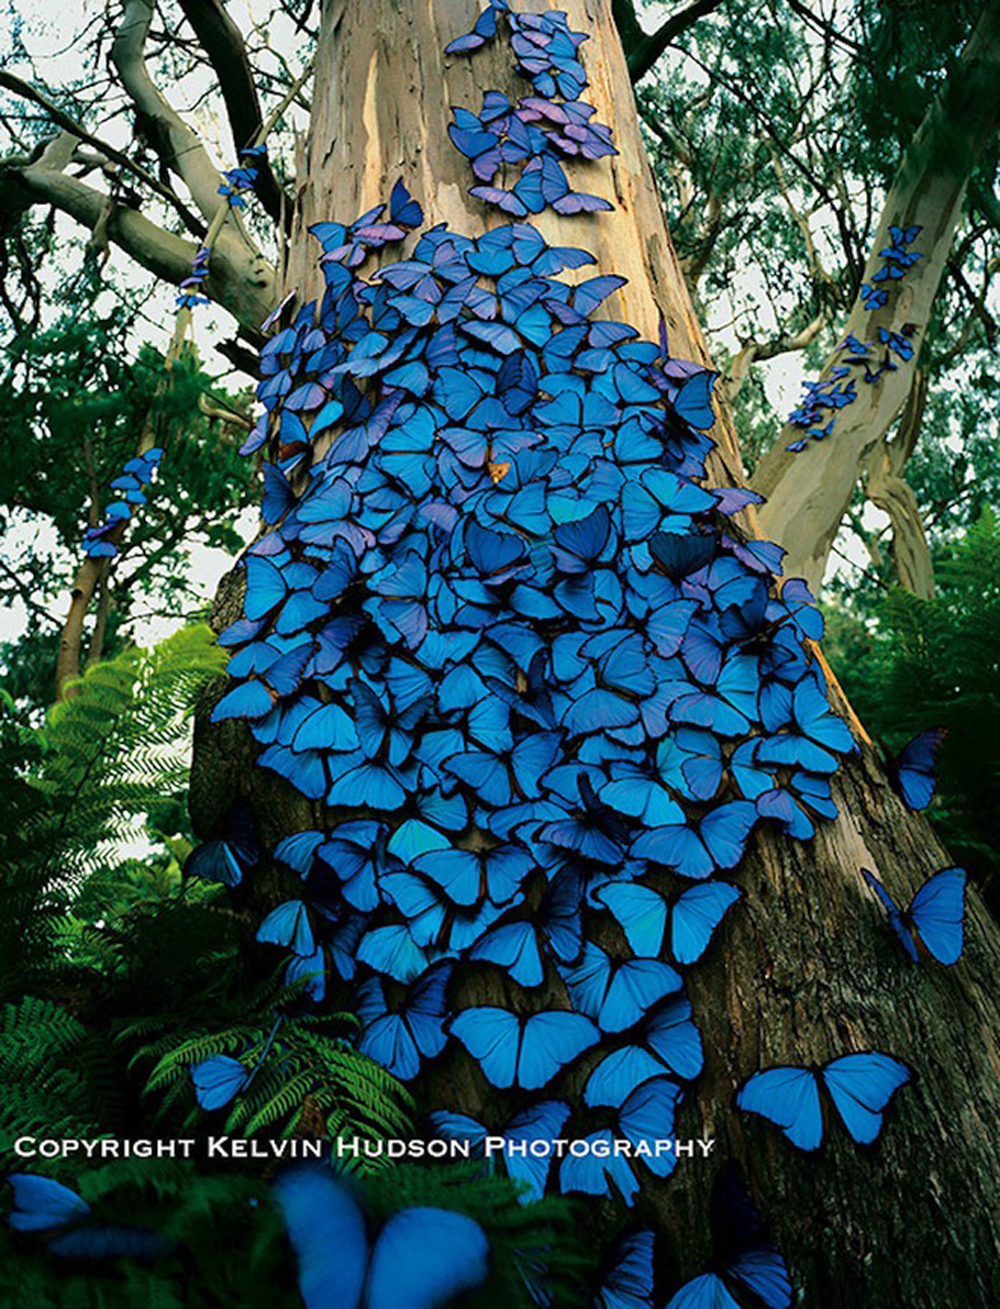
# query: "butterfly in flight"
[[912, 772], [421, 1258]]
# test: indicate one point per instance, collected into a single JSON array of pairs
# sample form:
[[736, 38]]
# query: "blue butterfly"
[[288, 925], [860, 1086], [617, 997], [599, 1169], [912, 772], [642, 914], [401, 1041], [541, 1122], [626, 1281], [525, 1052], [45, 1206], [219, 1079], [647, 1118], [935, 916], [671, 1044], [745, 1260], [421, 1258], [718, 841], [225, 859]]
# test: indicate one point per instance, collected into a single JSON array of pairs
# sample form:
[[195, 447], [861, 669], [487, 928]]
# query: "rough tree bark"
[[805, 970], [808, 492]]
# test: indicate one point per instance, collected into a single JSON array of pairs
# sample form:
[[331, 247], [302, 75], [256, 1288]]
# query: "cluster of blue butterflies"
[[243, 178], [864, 360], [897, 260], [498, 629], [130, 484], [537, 133], [190, 292]]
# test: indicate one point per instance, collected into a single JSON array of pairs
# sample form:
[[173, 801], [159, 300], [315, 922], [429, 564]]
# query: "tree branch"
[[179, 147], [28, 92], [223, 43], [809, 492], [751, 351], [239, 281], [643, 49]]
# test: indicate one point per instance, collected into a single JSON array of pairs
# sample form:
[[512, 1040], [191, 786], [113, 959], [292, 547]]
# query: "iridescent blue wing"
[[593, 1173], [695, 915], [641, 912], [628, 1282], [543, 1122], [789, 1098], [218, 1080], [41, 1204], [705, 1292], [647, 1118], [915, 768], [937, 913], [671, 1034], [896, 921], [619, 1073], [327, 1232], [514, 947], [861, 1085], [636, 986], [493, 1037], [288, 925], [551, 1040]]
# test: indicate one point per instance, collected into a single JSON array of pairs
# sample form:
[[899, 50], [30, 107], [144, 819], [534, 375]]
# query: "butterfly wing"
[[914, 767], [543, 1122], [100, 1241], [423, 1258], [789, 1098], [694, 917], [41, 1204], [892, 909], [743, 1253], [937, 913], [647, 1116], [628, 1283], [861, 1085], [551, 1040], [217, 1080], [492, 1036], [641, 912], [327, 1232], [705, 1292], [671, 1034]]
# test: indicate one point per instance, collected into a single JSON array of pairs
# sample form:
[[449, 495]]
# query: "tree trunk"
[[804, 970], [808, 491]]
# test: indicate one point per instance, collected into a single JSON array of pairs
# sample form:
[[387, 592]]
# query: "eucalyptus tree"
[[491, 702]]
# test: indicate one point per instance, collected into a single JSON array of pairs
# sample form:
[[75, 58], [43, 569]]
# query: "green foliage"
[[927, 663], [56, 1076], [88, 780], [77, 398]]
